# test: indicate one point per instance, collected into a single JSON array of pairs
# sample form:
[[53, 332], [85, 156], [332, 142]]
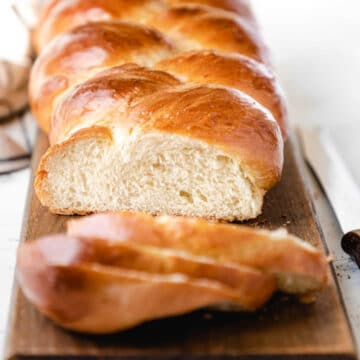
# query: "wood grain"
[[285, 329]]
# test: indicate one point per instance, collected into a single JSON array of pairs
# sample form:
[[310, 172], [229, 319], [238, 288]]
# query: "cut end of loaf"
[[157, 173]]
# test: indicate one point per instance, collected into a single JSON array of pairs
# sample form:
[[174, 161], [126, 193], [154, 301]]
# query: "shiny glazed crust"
[[276, 252], [233, 70], [94, 294], [60, 16], [114, 271], [198, 69]]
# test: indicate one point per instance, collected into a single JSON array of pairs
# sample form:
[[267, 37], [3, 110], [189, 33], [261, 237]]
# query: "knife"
[[338, 183]]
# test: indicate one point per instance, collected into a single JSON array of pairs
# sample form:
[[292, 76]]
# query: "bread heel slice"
[[298, 267], [100, 299], [99, 286], [114, 271]]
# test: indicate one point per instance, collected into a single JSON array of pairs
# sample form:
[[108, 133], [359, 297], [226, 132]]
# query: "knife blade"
[[338, 183]]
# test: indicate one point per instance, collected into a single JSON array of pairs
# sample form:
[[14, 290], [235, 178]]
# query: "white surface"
[[315, 47], [13, 190], [342, 191]]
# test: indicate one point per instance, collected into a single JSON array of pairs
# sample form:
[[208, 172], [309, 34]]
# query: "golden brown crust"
[[117, 87], [85, 50], [202, 27], [223, 242], [59, 16], [253, 287], [190, 24], [79, 53], [236, 71], [240, 7], [62, 15], [100, 299]]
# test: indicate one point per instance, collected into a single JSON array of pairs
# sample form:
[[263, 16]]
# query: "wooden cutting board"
[[285, 329]]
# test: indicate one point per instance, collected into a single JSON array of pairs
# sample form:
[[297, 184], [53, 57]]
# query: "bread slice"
[[298, 266], [100, 286], [253, 287], [115, 271], [101, 299]]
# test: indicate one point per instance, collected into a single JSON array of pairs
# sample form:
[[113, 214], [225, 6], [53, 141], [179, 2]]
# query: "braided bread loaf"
[[162, 106]]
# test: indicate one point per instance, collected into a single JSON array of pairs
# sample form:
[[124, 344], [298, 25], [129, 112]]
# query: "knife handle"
[[350, 243]]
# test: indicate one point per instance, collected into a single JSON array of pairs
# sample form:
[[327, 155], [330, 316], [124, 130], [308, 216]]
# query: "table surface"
[[315, 48]]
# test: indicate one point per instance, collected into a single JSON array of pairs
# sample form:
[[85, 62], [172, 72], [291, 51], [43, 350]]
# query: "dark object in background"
[[350, 243]]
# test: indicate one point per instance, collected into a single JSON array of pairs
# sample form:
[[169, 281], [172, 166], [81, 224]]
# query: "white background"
[[316, 48]]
